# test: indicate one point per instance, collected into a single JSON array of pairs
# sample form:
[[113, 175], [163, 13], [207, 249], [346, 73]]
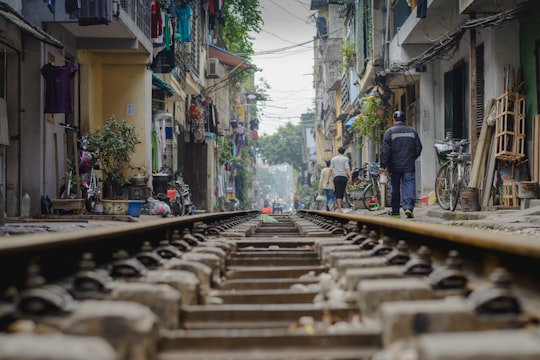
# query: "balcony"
[[128, 28]]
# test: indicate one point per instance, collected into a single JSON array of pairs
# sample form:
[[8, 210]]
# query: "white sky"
[[289, 72]]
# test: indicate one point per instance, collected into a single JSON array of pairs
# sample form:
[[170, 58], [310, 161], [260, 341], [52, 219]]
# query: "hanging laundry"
[[51, 4], [156, 25], [254, 124], [197, 120], [72, 8], [58, 87], [240, 138], [322, 29], [167, 31], [94, 12], [421, 9], [184, 14]]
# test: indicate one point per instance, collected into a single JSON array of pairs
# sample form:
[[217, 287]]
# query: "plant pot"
[[115, 207]]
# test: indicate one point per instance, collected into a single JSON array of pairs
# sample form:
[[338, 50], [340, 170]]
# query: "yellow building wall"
[[118, 85]]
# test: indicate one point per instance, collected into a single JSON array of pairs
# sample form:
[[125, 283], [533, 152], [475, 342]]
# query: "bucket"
[[171, 194], [134, 208], [469, 199], [159, 183]]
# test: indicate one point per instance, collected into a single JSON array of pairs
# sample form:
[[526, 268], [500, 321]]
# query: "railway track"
[[313, 285]]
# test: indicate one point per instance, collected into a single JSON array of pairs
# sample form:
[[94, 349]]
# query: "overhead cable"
[[450, 42]]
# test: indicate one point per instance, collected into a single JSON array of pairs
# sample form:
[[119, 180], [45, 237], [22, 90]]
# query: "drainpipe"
[[386, 37]]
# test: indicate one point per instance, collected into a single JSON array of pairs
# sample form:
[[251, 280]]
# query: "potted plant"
[[372, 120], [113, 146]]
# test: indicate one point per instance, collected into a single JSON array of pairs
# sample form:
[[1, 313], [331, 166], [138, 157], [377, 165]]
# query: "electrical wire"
[[290, 13], [448, 44], [275, 51]]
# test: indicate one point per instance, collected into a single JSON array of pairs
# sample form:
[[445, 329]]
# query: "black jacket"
[[400, 148]]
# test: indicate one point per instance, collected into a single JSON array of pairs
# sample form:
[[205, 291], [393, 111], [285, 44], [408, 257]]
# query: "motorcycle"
[[181, 203]]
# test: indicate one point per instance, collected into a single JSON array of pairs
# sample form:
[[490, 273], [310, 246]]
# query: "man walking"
[[326, 185], [342, 174], [401, 147]]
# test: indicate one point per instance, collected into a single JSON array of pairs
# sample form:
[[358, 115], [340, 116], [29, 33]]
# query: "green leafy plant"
[[348, 52], [225, 154], [244, 179], [113, 147], [372, 120]]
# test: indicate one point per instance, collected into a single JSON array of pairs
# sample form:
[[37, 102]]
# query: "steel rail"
[[481, 251], [59, 253], [521, 245]]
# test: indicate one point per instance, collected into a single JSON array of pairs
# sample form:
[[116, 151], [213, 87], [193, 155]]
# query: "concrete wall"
[[118, 85]]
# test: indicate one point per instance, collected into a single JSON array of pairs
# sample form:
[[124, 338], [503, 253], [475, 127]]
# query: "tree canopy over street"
[[241, 18], [283, 147]]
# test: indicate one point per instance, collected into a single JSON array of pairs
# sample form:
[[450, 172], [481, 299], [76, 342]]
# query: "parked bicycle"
[[372, 192], [88, 182], [367, 179], [454, 174], [357, 178]]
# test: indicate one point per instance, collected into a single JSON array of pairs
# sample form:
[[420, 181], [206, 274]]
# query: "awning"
[[227, 58], [160, 83], [349, 122], [12, 16], [342, 117]]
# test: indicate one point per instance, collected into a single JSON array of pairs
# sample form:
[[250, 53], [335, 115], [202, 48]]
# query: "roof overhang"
[[159, 83], [12, 16], [228, 58]]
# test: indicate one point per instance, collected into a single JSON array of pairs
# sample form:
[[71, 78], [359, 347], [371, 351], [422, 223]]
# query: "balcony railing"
[[139, 11]]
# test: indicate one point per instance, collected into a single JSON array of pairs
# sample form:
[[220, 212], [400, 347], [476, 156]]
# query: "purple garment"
[[58, 87]]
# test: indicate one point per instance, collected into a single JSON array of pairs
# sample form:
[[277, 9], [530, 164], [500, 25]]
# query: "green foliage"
[[373, 118], [283, 147], [244, 179], [113, 146], [224, 151], [241, 17], [348, 52]]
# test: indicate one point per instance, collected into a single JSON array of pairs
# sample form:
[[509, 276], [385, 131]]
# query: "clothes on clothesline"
[[58, 87], [94, 12]]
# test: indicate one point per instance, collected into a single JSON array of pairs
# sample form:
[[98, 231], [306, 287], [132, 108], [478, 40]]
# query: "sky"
[[288, 72]]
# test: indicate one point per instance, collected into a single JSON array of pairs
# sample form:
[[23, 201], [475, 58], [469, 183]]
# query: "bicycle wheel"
[[442, 187], [455, 189], [372, 198], [467, 168]]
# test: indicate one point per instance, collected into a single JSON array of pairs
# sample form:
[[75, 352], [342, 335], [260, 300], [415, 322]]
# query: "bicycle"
[[356, 179], [454, 174], [372, 192], [83, 166]]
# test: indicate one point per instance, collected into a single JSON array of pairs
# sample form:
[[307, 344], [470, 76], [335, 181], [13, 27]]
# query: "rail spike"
[[496, 297], [42, 299], [89, 282]]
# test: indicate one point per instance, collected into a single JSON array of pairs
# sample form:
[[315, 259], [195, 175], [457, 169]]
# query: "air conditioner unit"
[[212, 68]]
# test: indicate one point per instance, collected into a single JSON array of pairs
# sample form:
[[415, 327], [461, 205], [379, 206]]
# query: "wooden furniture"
[[510, 127], [509, 194]]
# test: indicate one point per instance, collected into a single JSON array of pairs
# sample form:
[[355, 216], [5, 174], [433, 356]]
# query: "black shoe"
[[394, 215], [409, 214]]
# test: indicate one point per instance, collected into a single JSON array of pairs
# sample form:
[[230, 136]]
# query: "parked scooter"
[[181, 204]]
